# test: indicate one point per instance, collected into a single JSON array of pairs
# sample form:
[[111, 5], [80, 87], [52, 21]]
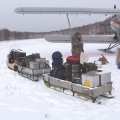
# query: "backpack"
[[56, 55], [57, 60]]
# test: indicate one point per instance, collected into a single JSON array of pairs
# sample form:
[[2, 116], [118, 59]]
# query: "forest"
[[91, 29]]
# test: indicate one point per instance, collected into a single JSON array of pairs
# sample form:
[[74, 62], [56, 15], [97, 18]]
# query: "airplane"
[[113, 40]]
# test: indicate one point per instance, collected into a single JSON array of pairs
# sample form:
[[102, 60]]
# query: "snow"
[[23, 99]]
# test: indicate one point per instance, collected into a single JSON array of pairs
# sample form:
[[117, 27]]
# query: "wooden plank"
[[60, 83], [81, 89]]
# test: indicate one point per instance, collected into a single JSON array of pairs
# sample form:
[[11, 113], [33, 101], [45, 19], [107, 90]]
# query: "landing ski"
[[108, 96]]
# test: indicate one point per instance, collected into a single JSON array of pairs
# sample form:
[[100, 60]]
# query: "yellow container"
[[87, 83], [90, 80]]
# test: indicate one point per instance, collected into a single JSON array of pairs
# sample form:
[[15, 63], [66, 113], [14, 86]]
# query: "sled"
[[86, 92], [31, 67]]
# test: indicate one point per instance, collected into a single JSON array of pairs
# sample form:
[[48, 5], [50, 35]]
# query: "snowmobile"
[[14, 58]]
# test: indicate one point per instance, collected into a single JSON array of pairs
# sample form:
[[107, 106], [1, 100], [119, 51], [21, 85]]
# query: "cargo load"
[[34, 69], [83, 79], [31, 66]]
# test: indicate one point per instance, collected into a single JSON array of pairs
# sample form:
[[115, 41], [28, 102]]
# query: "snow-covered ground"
[[23, 99]]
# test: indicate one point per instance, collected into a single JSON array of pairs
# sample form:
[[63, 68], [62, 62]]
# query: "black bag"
[[58, 73], [32, 57], [77, 81], [17, 54], [57, 64]]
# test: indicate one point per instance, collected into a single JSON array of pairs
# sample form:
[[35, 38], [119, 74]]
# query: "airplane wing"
[[55, 10], [84, 38]]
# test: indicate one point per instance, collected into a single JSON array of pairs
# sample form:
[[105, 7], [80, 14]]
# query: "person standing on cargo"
[[77, 45]]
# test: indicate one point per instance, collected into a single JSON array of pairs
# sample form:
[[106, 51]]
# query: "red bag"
[[73, 58]]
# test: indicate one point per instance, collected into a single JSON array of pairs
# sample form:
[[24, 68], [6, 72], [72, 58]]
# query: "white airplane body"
[[111, 39], [115, 25], [85, 38]]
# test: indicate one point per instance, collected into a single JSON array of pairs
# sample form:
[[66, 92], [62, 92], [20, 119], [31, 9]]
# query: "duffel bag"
[[58, 73]]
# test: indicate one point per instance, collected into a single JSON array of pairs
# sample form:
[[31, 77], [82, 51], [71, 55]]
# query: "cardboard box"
[[41, 60], [34, 65], [42, 65], [104, 77], [90, 80]]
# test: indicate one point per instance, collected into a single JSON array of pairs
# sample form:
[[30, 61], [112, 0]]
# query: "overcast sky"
[[40, 23]]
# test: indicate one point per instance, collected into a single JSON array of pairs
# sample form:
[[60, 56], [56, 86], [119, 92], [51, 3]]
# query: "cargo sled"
[[88, 93], [31, 66], [83, 80], [34, 69], [34, 66]]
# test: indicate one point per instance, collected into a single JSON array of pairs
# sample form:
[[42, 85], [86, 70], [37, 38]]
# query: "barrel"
[[75, 68], [75, 71]]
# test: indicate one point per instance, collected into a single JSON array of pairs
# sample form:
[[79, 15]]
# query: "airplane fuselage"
[[115, 25]]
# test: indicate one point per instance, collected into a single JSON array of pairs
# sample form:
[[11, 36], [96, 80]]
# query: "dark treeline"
[[91, 29], [6, 34]]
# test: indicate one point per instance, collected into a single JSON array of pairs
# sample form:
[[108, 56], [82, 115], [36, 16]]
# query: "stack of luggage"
[[33, 57], [69, 71], [72, 68]]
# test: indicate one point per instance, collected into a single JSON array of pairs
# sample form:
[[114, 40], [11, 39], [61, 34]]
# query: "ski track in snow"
[[22, 99]]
